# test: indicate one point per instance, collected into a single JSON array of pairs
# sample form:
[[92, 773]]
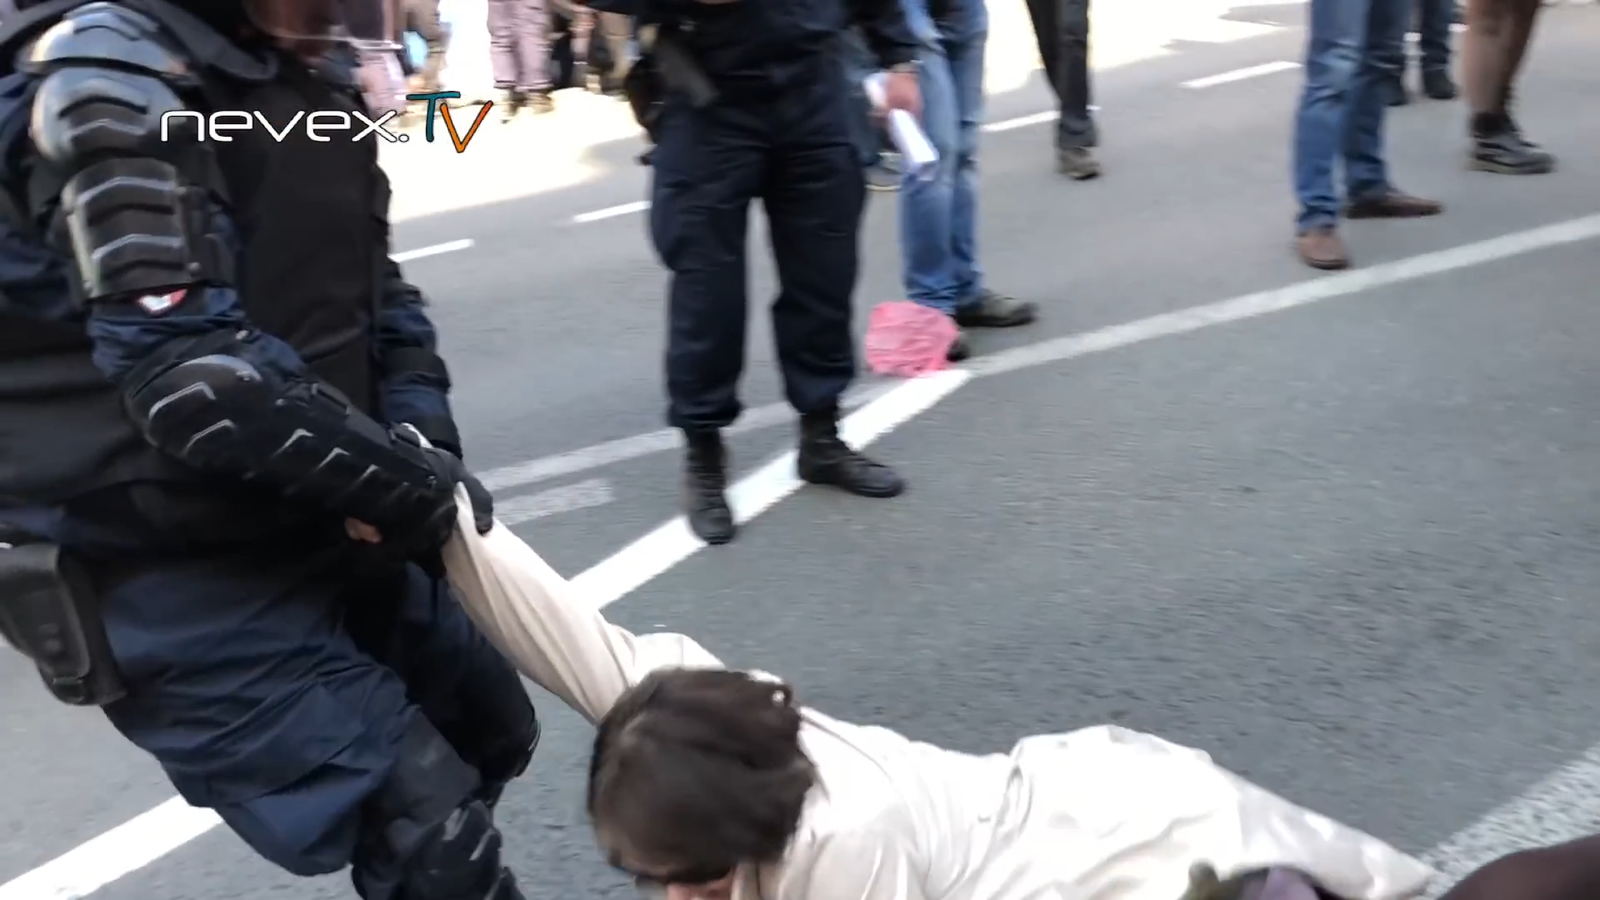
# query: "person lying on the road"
[[715, 784]]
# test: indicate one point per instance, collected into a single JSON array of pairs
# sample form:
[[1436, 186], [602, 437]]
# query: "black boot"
[[1498, 146], [825, 459], [705, 478]]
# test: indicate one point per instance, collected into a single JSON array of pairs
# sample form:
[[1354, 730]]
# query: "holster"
[[50, 613], [645, 92], [666, 64]]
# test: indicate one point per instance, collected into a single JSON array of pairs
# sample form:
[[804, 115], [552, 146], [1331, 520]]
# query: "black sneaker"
[[884, 174], [1437, 85], [991, 310], [1077, 163], [959, 349], [1507, 152]]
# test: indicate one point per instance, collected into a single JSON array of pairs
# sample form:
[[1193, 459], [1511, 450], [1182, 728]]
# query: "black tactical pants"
[[789, 145], [312, 694]]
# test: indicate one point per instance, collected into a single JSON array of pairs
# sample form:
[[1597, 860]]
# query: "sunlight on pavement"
[[556, 151]]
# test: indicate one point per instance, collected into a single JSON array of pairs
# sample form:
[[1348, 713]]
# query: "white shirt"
[[1101, 813]]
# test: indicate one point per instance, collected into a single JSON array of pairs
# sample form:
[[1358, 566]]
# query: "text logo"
[[435, 103], [320, 126]]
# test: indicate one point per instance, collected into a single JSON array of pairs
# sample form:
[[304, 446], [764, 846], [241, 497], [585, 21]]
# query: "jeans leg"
[[533, 45], [1333, 56], [502, 20], [1434, 34], [1366, 173], [965, 51], [1076, 126], [926, 206]]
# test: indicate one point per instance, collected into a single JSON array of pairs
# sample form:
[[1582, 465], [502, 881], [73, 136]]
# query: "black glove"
[[452, 471]]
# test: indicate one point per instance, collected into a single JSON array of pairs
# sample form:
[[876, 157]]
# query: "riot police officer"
[[765, 113], [206, 357]]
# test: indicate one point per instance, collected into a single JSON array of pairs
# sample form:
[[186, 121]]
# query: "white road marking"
[[641, 445], [644, 560], [1551, 809], [611, 212], [567, 498], [1560, 808], [435, 250], [1028, 121], [1270, 68], [126, 848]]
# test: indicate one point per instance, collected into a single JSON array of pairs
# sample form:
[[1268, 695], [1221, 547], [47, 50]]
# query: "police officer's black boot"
[[825, 459], [705, 479], [1498, 146]]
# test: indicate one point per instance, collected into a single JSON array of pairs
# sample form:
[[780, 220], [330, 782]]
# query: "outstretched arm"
[[553, 634]]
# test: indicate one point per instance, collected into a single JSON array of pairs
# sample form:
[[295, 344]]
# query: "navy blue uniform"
[[195, 411], [780, 131]]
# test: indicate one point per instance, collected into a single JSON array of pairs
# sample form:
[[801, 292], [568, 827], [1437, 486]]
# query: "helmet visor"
[[366, 24]]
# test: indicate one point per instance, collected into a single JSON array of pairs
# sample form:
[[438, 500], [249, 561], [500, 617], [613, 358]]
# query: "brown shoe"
[[1322, 248], [1392, 204]]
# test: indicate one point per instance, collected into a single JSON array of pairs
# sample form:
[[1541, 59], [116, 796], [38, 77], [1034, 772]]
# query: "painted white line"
[[1041, 118], [611, 212], [1270, 68], [1557, 809], [654, 554], [435, 250], [567, 498], [149, 837], [1301, 294], [127, 848], [641, 445]]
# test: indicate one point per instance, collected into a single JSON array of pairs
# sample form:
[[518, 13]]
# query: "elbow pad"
[[122, 154], [221, 408]]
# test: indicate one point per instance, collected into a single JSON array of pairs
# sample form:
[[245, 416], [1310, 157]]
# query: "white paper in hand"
[[917, 155]]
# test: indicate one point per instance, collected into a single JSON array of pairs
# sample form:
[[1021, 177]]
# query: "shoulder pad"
[[105, 34]]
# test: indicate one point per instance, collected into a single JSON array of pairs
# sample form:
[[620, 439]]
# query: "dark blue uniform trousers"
[[277, 686], [784, 137]]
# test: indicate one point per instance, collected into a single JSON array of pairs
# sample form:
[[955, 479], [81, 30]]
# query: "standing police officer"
[[772, 120], [205, 355]]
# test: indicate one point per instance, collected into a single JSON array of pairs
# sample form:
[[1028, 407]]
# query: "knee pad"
[[459, 859], [430, 836], [505, 759]]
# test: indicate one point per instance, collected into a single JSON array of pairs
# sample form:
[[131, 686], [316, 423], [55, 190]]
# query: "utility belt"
[[50, 612]]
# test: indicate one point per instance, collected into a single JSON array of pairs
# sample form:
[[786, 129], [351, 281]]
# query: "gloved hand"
[[452, 471], [422, 541]]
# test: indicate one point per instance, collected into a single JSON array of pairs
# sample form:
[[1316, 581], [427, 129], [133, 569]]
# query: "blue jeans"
[[939, 217], [1434, 32], [1342, 107]]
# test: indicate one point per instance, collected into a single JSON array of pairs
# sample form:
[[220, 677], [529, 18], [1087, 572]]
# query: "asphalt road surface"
[[1342, 531]]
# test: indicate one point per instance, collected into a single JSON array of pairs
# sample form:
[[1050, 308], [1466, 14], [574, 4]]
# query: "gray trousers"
[[519, 44]]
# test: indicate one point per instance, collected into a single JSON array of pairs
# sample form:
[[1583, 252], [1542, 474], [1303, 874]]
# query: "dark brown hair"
[[699, 770]]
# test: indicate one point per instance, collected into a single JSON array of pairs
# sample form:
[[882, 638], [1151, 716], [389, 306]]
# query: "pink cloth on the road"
[[905, 339]]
